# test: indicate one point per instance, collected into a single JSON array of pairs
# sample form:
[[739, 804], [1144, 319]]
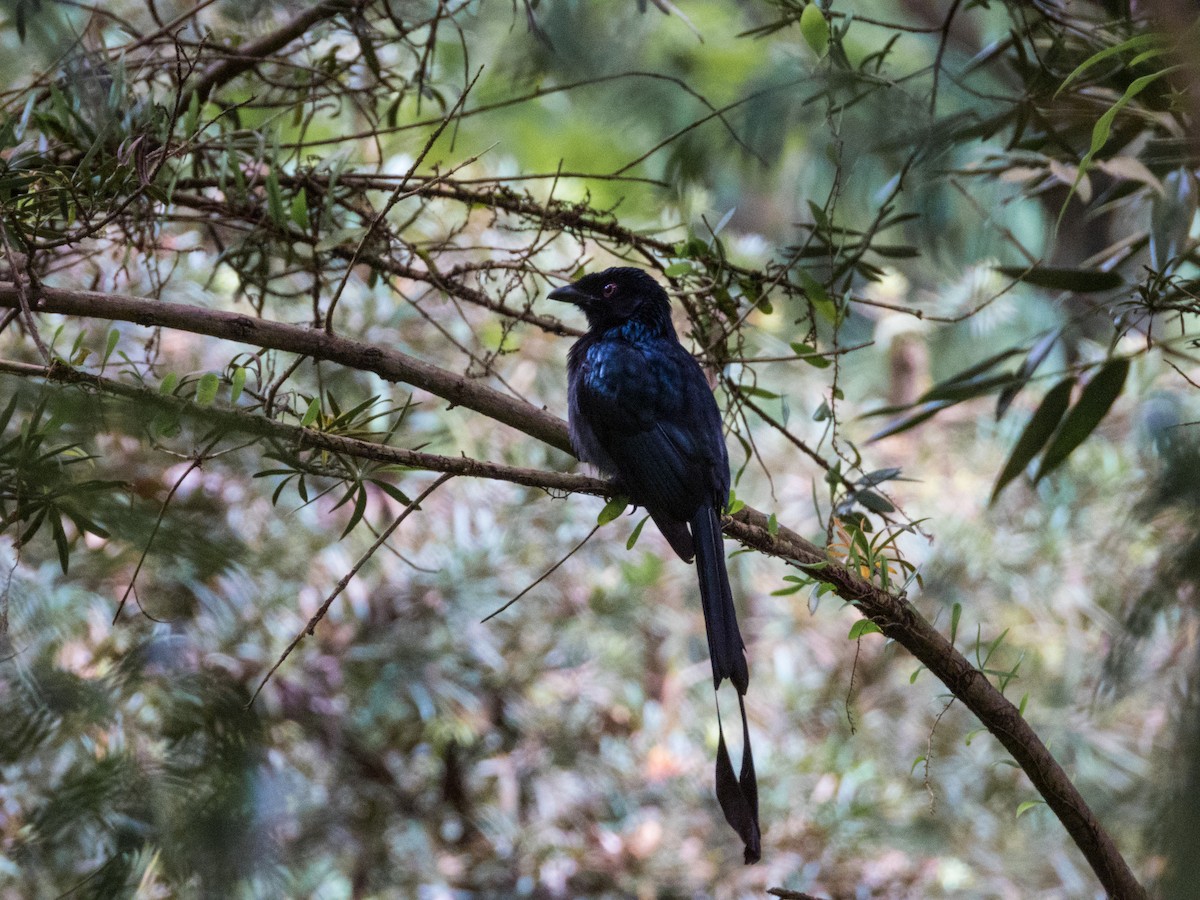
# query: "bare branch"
[[385, 362]]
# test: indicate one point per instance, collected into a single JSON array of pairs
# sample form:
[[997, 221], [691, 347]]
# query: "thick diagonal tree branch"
[[894, 615], [389, 364]]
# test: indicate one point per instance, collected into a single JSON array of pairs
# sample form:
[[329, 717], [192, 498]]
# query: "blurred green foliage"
[[900, 224]]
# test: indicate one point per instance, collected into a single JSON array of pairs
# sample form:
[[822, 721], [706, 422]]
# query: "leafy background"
[[923, 184]]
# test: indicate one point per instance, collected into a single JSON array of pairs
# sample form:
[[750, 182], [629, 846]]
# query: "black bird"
[[642, 412]]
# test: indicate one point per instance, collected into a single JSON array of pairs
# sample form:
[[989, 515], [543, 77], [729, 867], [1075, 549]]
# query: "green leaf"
[[1041, 425], [919, 415], [1061, 278], [109, 347], [1094, 402], [863, 626], [969, 373], [791, 589], [637, 533], [275, 199], [612, 509], [815, 29], [168, 384], [761, 393], [238, 382], [300, 209], [206, 391], [392, 491], [310, 414], [1134, 43], [1171, 216], [1028, 805], [1037, 355], [955, 618], [809, 354], [360, 507], [874, 502], [772, 525], [879, 476], [1103, 128], [60, 541], [676, 269], [192, 118], [957, 391], [819, 298], [6, 416]]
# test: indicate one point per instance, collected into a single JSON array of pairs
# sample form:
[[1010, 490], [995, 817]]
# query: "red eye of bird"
[[610, 289]]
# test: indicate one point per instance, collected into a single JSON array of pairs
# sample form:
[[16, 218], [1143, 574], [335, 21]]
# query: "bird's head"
[[616, 296]]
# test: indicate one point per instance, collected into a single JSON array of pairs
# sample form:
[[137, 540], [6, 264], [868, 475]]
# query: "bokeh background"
[[564, 748]]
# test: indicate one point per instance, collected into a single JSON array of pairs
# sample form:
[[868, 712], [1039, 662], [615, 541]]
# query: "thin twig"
[[398, 194], [341, 585], [198, 461], [550, 571], [21, 282]]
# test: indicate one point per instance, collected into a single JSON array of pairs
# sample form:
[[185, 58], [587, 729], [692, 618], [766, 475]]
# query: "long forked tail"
[[737, 794], [725, 646]]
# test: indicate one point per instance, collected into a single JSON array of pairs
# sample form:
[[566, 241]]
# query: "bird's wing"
[[651, 411]]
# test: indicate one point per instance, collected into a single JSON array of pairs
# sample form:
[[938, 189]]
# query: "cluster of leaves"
[[39, 481]]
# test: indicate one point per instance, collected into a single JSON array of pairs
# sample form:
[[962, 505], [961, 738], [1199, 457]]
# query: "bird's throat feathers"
[[646, 324]]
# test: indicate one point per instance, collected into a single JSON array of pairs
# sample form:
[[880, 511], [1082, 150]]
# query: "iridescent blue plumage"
[[642, 412]]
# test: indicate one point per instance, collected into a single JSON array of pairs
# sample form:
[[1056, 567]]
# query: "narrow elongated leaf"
[[1093, 404], [1037, 355], [392, 491], [192, 118], [1027, 806], [916, 417], [300, 209], [874, 502], [957, 391], [360, 507], [879, 476], [1102, 130], [637, 532], [6, 416], [237, 383], [275, 199], [1134, 43], [1041, 425], [110, 345], [1171, 218], [1057, 278], [980, 367], [310, 414], [60, 542]]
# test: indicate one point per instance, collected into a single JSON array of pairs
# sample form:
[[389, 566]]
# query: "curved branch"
[[387, 363], [251, 54], [894, 615], [899, 620]]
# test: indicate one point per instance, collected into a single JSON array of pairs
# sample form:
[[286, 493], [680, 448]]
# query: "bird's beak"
[[568, 293]]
